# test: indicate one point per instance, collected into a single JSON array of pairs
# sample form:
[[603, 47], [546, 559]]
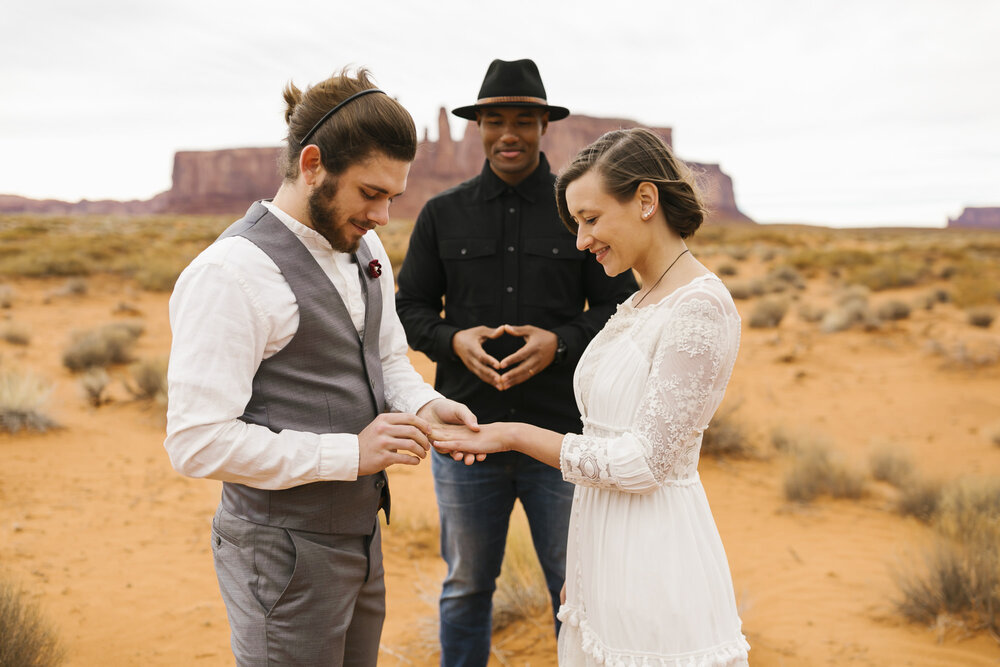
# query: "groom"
[[289, 382]]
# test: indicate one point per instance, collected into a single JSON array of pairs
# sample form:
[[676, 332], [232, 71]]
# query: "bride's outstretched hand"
[[462, 443]]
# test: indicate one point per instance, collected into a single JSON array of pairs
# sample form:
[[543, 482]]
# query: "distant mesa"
[[226, 181], [977, 217]]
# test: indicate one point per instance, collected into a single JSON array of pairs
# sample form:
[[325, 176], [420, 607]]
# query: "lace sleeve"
[[690, 350]]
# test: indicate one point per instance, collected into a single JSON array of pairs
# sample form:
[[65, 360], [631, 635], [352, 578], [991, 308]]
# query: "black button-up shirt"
[[487, 253]]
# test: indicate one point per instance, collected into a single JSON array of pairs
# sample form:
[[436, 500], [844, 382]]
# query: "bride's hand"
[[461, 443]]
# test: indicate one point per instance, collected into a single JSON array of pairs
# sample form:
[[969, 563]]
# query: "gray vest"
[[326, 380]]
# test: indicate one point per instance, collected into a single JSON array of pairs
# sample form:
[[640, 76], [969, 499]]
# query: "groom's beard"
[[327, 220]]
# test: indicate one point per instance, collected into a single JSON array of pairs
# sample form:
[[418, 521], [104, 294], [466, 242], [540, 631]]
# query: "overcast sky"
[[839, 112]]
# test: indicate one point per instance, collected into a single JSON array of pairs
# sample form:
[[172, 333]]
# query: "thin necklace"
[[661, 277]]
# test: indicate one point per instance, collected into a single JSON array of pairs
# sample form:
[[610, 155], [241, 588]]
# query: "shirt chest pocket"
[[554, 269], [472, 269]]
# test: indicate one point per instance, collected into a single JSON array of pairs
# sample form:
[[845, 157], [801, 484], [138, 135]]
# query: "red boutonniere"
[[374, 268]]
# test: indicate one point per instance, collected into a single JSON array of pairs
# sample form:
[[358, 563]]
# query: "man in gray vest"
[[289, 382]]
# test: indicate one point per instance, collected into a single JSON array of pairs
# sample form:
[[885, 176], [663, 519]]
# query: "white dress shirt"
[[230, 309]]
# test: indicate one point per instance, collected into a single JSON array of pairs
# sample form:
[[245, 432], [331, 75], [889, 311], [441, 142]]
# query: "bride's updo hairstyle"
[[369, 124], [626, 158]]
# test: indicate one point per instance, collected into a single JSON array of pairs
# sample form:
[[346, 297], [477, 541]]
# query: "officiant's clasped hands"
[[537, 353]]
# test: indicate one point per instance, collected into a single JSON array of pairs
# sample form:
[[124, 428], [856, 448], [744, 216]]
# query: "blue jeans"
[[474, 504]]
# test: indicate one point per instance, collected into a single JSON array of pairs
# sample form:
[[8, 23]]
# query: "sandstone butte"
[[982, 217], [226, 181]]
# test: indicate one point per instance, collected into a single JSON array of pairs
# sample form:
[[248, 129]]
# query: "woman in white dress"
[[647, 581]]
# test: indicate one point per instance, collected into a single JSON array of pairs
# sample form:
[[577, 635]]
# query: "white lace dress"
[[647, 581]]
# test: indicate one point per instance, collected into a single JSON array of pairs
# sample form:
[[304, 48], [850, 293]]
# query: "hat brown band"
[[507, 99]]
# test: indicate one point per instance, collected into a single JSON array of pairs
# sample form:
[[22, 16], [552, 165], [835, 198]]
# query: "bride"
[[647, 581]]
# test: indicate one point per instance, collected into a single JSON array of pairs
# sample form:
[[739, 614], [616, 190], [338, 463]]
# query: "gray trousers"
[[299, 598]]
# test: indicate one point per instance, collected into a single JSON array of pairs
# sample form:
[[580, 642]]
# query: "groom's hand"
[[443, 411], [382, 443]]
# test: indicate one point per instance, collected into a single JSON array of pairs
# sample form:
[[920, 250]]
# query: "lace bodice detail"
[[647, 387]]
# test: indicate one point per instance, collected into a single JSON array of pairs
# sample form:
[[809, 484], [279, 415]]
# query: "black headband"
[[302, 142]]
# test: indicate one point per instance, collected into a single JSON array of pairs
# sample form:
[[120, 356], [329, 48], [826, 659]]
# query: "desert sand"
[[113, 545]]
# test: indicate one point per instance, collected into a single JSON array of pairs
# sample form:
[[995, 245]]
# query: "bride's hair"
[[626, 158]]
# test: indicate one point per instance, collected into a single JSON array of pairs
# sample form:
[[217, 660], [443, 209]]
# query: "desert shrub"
[[26, 639], [159, 274], [744, 289], [23, 397], [103, 346], [727, 269], [893, 310], [816, 472], [838, 319], [966, 354], [725, 436], [834, 259], [768, 312], [970, 509], [960, 578], [974, 288], [852, 308], [765, 252], [93, 383], [889, 465], [784, 440], [149, 379], [72, 287], [785, 275], [15, 333], [809, 312], [919, 498], [419, 529], [521, 590], [980, 317], [738, 252], [6, 296], [888, 272]]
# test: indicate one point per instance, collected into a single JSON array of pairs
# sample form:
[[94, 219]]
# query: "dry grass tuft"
[[816, 472], [103, 346], [521, 590], [727, 269], [93, 383], [745, 289], [6, 296], [889, 465], [893, 309], [920, 499], [888, 272], [980, 316], [960, 577], [966, 354], [23, 397], [768, 312], [812, 313], [149, 380], [15, 333], [71, 288], [26, 639], [725, 437]]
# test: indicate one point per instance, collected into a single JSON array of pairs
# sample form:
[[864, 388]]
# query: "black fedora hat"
[[512, 84]]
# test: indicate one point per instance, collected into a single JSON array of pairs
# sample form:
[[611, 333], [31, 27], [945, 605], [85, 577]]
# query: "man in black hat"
[[494, 256]]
